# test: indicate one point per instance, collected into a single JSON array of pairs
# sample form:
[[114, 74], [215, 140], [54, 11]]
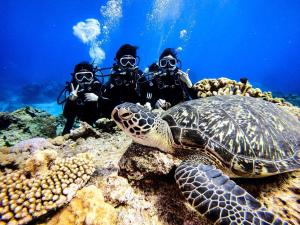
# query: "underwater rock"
[[24, 124], [280, 194], [87, 208], [16, 156], [31, 145], [106, 125], [132, 206], [85, 130], [148, 202], [44, 183], [6, 120], [140, 162]]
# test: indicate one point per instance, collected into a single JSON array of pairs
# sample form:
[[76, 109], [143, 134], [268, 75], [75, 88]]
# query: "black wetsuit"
[[87, 111], [168, 86], [122, 86]]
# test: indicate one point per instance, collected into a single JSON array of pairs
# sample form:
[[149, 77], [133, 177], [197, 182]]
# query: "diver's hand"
[[184, 77], [147, 105], [73, 95], [162, 104], [91, 97]]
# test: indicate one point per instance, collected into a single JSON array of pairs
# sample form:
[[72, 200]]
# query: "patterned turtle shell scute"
[[248, 134]]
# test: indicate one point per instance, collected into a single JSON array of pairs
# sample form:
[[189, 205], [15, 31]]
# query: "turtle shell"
[[248, 135]]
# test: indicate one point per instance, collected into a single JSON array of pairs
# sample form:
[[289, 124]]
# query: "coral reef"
[[280, 194], [6, 120], [87, 208], [43, 184], [131, 184], [31, 145], [148, 202], [24, 124], [225, 86], [19, 153]]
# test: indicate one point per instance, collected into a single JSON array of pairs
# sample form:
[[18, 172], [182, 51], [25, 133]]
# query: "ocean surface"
[[41, 41]]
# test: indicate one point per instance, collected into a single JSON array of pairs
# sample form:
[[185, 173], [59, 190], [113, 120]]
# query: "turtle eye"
[[125, 115]]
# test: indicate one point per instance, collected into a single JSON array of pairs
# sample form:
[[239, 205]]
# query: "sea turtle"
[[221, 137]]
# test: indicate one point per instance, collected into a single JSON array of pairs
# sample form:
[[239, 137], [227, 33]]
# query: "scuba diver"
[[83, 99], [169, 84], [125, 77]]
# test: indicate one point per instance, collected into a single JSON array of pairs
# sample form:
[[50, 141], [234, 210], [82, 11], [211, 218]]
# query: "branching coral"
[[225, 86], [26, 195]]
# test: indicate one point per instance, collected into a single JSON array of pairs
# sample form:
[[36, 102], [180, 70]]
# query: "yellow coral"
[[34, 190], [225, 86], [87, 207]]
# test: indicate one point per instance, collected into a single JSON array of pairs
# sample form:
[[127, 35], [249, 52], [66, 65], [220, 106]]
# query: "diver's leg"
[[69, 112], [220, 199], [68, 125]]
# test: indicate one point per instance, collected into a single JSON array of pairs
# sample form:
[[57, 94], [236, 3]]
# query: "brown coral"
[[26, 195]]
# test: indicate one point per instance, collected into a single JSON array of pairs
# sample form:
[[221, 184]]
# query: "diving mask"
[[167, 61], [84, 77], [128, 61]]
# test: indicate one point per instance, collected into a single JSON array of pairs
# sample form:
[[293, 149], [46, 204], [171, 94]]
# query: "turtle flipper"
[[220, 199]]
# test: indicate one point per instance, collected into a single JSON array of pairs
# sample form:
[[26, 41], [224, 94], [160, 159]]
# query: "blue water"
[[247, 38]]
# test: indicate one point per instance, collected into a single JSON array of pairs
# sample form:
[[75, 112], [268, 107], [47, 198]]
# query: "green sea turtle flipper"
[[220, 199]]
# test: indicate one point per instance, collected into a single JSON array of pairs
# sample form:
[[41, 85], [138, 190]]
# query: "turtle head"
[[143, 126]]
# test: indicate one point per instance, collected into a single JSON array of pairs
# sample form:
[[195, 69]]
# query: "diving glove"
[[162, 104], [147, 105], [91, 97]]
